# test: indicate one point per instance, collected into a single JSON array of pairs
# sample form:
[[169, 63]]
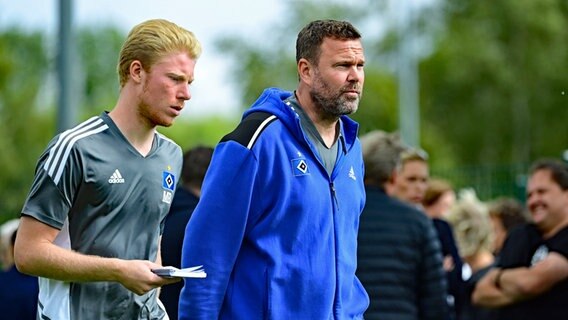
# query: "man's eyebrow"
[[180, 77]]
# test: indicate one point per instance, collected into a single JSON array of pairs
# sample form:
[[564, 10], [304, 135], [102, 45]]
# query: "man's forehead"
[[541, 174], [354, 45], [540, 178]]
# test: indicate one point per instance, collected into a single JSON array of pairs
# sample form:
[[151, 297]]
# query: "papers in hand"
[[170, 272]]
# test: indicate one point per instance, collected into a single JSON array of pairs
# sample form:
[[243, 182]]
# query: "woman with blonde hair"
[[472, 227], [473, 232]]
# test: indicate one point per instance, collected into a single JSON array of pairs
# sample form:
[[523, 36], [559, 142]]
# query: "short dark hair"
[[195, 163], [558, 171], [310, 38], [509, 211]]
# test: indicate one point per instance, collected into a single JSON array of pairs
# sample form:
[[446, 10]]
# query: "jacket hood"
[[272, 101]]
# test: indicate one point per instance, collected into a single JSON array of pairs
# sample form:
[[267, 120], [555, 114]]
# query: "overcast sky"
[[212, 91]]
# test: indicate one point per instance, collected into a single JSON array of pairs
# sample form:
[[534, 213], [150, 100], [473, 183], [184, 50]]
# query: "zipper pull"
[[333, 195]]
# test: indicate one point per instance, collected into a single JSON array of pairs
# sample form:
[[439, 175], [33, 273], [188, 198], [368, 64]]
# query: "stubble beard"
[[148, 113], [330, 105], [150, 116]]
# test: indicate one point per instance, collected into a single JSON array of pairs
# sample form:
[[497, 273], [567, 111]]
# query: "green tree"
[[492, 89], [24, 66], [492, 93], [98, 49]]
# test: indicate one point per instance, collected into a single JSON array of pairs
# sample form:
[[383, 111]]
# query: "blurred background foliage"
[[493, 86]]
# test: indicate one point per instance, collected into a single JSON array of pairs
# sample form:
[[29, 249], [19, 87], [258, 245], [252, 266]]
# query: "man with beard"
[[92, 222], [530, 280], [276, 226]]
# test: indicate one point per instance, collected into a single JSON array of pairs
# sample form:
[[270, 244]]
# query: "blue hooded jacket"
[[275, 233]]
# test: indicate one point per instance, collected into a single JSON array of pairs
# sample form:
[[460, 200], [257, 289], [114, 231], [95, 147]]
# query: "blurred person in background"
[[195, 163], [412, 176], [438, 198], [505, 214], [399, 256], [18, 291], [530, 279], [474, 237], [6, 255]]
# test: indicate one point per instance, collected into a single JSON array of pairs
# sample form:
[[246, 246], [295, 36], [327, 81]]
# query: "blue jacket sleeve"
[[216, 230]]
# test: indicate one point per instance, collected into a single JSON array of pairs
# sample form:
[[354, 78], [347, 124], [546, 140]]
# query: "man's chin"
[[351, 109], [165, 123], [350, 104]]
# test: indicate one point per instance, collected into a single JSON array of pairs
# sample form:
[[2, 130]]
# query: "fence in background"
[[488, 181]]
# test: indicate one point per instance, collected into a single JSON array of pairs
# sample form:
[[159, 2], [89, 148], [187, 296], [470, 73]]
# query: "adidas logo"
[[116, 177], [352, 174]]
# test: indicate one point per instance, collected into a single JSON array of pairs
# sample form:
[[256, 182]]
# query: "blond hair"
[[471, 224], [151, 40]]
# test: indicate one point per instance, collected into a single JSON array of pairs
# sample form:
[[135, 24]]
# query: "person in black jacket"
[[413, 185], [399, 256]]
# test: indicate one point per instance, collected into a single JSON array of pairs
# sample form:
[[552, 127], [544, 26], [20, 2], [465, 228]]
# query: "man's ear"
[[136, 71], [390, 185], [305, 71]]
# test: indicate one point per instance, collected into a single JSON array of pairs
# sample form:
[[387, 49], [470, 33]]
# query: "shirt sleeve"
[[559, 243], [57, 178], [518, 248], [216, 229]]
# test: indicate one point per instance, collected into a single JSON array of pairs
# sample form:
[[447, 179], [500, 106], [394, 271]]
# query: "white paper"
[[192, 272]]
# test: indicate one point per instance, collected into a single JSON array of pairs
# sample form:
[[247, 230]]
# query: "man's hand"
[[137, 276]]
